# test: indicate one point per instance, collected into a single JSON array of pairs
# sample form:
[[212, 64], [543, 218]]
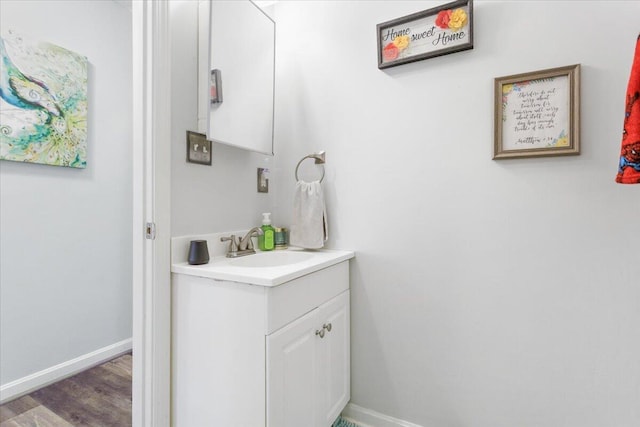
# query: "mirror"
[[242, 53]]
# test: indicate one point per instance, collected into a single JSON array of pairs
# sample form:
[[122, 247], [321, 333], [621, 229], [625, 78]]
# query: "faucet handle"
[[233, 242]]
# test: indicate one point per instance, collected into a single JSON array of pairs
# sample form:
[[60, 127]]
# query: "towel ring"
[[319, 160]]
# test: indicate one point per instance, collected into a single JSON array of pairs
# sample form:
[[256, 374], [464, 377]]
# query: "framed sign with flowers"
[[433, 32], [537, 113]]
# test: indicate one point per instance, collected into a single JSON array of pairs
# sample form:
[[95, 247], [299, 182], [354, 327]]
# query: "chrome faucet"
[[242, 246], [246, 244]]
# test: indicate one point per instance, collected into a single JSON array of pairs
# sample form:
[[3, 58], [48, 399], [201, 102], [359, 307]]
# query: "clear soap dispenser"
[[266, 241]]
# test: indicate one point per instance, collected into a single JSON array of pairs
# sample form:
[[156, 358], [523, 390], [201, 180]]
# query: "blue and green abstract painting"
[[43, 103]]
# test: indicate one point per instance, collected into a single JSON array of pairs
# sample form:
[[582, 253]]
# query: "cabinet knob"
[[327, 326], [320, 332]]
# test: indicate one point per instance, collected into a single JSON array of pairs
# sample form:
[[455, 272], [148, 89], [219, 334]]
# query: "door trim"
[[151, 203]]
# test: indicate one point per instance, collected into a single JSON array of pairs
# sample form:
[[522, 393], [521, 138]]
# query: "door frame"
[[151, 157]]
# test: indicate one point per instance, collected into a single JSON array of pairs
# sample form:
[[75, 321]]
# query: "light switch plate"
[[263, 180], [198, 148]]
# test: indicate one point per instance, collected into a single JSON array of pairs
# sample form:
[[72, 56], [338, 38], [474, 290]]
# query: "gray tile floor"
[[98, 397]]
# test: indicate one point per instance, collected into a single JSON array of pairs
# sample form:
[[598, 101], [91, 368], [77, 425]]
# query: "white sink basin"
[[270, 259], [265, 268]]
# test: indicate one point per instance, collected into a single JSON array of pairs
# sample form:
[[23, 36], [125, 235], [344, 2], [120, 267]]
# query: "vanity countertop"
[[271, 268]]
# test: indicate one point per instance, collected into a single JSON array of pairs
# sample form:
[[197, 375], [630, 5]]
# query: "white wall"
[[484, 293], [216, 198], [65, 250]]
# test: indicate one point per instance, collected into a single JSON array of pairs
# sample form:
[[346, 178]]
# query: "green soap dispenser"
[[266, 241]]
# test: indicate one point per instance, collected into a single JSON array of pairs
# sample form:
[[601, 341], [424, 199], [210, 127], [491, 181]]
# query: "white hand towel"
[[309, 226]]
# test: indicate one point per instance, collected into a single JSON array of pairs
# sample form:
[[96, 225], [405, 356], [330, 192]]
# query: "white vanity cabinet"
[[308, 367], [250, 355]]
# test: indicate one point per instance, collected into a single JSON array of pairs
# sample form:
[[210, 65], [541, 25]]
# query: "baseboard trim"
[[368, 418], [40, 379]]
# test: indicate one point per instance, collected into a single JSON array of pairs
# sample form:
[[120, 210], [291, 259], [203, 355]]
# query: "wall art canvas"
[[43, 103]]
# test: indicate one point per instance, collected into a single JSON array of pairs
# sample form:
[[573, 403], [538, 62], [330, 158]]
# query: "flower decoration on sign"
[[443, 18], [451, 19], [392, 50], [401, 42], [561, 141], [458, 19]]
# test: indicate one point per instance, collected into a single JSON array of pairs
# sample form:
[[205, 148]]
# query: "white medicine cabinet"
[[236, 74]]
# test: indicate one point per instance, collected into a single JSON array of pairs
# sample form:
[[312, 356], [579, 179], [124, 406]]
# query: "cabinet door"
[[334, 357], [292, 374]]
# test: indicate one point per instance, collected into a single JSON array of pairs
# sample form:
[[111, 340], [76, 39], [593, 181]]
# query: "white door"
[[292, 374], [334, 355]]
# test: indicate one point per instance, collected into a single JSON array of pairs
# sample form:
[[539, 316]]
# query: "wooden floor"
[[98, 397]]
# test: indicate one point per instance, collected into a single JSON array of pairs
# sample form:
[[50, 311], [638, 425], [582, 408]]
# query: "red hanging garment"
[[629, 167]]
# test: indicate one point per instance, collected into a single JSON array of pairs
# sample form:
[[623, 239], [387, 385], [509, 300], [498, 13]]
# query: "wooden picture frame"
[[537, 113], [198, 148], [427, 34]]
